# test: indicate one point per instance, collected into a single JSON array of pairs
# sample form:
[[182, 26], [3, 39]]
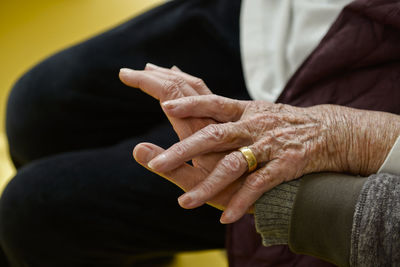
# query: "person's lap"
[[98, 206], [79, 198]]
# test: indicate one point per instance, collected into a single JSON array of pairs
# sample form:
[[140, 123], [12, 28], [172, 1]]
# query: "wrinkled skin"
[[287, 141], [164, 84]]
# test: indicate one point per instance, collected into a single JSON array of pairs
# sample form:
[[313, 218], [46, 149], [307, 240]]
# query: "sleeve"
[[337, 217], [345, 220], [375, 237], [322, 216], [273, 211]]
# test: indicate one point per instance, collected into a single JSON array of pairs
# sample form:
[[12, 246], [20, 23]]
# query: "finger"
[[162, 89], [219, 108], [179, 83], [212, 138], [215, 138], [197, 83], [185, 176], [228, 169], [254, 186], [183, 129], [175, 68], [149, 83]]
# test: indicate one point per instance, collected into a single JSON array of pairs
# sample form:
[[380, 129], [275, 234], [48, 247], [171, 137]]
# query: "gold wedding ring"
[[250, 158]]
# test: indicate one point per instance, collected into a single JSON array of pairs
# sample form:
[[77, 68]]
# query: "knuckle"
[[179, 150], [140, 82], [198, 82], [220, 102], [231, 163], [191, 101], [170, 89], [256, 182], [178, 81], [206, 188], [214, 132], [167, 85]]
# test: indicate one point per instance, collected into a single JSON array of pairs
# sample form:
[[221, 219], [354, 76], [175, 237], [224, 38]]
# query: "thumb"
[[185, 176]]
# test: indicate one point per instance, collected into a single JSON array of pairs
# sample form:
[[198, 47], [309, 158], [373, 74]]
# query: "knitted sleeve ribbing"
[[273, 211]]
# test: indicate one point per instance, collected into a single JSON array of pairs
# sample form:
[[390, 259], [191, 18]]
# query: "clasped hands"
[[287, 142]]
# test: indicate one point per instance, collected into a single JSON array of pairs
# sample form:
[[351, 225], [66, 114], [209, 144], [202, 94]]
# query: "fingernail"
[[145, 155], [151, 66], [125, 71], [185, 201], [157, 162], [226, 217], [176, 68]]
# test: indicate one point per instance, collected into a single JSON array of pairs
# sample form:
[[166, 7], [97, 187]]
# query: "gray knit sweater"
[[349, 221], [375, 237]]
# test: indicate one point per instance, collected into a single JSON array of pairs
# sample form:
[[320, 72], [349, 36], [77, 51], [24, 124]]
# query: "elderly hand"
[[165, 84], [287, 142]]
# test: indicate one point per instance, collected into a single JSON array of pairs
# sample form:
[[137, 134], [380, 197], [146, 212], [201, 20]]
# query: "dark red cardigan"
[[357, 64]]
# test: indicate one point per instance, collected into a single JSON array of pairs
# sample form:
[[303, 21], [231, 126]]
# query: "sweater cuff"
[[272, 213], [322, 216]]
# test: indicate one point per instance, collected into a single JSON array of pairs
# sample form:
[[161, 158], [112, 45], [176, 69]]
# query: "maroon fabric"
[[245, 249], [357, 64]]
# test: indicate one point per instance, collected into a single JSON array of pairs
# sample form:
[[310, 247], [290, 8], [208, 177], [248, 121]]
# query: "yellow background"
[[31, 30]]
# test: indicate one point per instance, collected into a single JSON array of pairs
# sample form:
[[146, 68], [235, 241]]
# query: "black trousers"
[[79, 199]]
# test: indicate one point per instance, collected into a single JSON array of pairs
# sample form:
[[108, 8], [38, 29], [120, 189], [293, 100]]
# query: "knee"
[[32, 97], [31, 217], [24, 218], [33, 108]]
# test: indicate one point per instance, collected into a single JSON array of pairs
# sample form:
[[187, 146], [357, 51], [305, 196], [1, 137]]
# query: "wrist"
[[380, 133], [359, 140], [336, 138]]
